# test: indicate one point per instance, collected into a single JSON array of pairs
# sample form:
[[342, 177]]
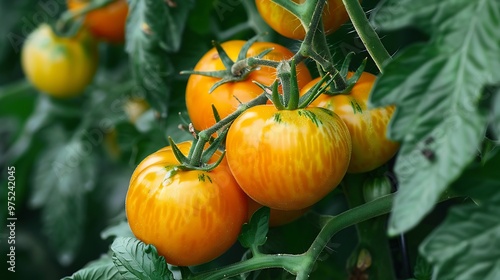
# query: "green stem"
[[366, 32], [288, 262], [302, 264], [372, 233], [346, 219], [204, 135]]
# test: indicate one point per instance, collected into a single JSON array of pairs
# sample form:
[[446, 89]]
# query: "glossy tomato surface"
[[290, 159], [59, 66], [227, 97], [108, 22], [191, 217], [368, 127], [288, 25]]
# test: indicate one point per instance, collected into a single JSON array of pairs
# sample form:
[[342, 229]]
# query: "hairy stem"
[[366, 32]]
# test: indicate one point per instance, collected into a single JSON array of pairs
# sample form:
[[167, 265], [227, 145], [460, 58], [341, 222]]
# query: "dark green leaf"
[[151, 31], [423, 270], [481, 180], [467, 244], [136, 260], [495, 122], [437, 88], [103, 268], [63, 174], [254, 233]]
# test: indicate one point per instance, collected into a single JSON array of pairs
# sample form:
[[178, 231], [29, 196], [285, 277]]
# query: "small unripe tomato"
[[190, 216], [59, 66], [375, 187]]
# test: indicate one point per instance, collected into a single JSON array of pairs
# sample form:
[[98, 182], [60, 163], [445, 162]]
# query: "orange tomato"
[[288, 25], [289, 159], [368, 127], [227, 97], [191, 217], [107, 23]]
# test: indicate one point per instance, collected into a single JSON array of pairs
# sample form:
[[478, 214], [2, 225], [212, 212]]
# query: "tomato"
[[288, 25], [276, 217], [135, 107], [191, 217], [368, 127], [289, 159], [108, 22], [227, 97], [59, 66]]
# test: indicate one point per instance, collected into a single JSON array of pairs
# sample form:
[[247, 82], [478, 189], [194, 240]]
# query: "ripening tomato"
[[288, 25], [227, 97], [134, 107], [289, 159], [108, 22], [191, 217], [59, 66], [368, 127], [276, 217]]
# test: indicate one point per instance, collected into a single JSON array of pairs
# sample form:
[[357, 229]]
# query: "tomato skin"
[[227, 97], [59, 66], [290, 159], [368, 127], [107, 23], [191, 217], [276, 217], [288, 25]]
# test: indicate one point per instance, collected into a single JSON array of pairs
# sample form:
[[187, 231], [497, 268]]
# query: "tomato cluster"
[[283, 156], [63, 66]]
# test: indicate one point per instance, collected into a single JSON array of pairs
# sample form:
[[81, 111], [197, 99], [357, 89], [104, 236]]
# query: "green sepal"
[[313, 93], [210, 151], [226, 60], [183, 160], [216, 113]]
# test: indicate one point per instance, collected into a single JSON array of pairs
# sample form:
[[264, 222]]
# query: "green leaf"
[[254, 233], [151, 67], [481, 180], [437, 88], [103, 268], [466, 245], [495, 122], [423, 270], [136, 260], [63, 175]]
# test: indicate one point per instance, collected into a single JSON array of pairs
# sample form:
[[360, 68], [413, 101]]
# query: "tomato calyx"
[[235, 70], [291, 99], [198, 158]]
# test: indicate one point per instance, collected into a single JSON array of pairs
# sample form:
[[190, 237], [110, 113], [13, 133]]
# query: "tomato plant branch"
[[366, 32], [287, 262], [348, 218], [372, 235]]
